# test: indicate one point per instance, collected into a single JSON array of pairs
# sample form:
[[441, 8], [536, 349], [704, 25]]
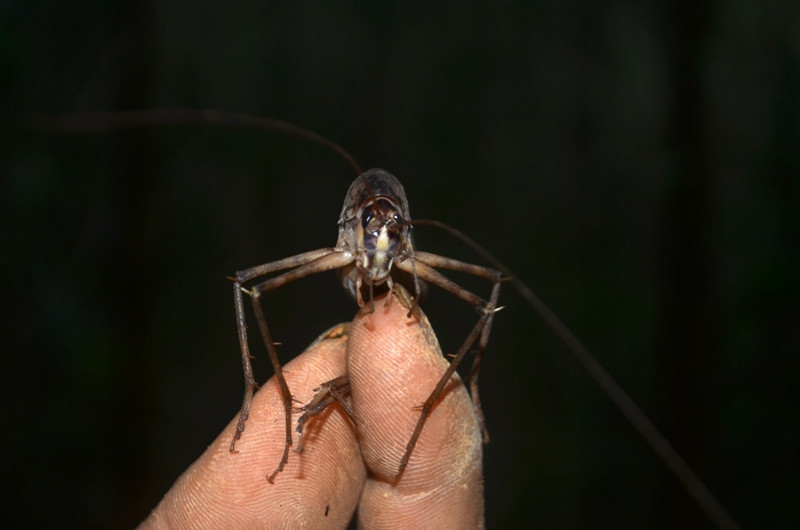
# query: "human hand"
[[393, 363]]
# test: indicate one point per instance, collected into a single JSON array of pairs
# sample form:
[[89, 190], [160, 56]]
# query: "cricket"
[[374, 254]]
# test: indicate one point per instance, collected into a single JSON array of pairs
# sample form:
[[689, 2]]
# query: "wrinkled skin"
[[392, 362]]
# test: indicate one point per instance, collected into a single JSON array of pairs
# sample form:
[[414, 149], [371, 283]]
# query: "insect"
[[374, 249], [674, 462]]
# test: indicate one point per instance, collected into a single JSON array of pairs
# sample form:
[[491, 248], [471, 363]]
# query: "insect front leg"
[[472, 377], [269, 343], [302, 265], [247, 367], [482, 328], [496, 277], [334, 391]]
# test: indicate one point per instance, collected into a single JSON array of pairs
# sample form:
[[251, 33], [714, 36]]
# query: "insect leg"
[[241, 324], [304, 265], [424, 269], [435, 260], [335, 390], [690, 481]]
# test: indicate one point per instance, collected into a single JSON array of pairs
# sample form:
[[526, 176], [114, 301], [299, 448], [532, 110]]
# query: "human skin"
[[393, 362]]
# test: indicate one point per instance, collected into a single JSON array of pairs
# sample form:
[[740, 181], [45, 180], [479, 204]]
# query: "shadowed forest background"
[[636, 163]]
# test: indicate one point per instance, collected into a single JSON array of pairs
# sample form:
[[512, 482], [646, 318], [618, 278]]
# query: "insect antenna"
[[692, 483], [89, 123], [97, 122], [101, 122]]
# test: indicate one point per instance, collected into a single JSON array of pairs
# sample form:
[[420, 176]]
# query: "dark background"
[[637, 163]]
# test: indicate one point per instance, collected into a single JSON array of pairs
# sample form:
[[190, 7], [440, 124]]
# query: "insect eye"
[[367, 217]]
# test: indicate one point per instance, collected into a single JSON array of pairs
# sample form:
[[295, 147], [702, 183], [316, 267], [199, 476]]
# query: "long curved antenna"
[[685, 475], [94, 122], [84, 123]]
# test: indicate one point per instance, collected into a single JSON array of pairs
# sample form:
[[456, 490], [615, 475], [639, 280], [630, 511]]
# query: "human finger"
[[394, 362], [319, 487]]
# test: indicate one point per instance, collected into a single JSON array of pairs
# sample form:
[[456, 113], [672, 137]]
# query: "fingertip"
[[394, 363], [320, 486]]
